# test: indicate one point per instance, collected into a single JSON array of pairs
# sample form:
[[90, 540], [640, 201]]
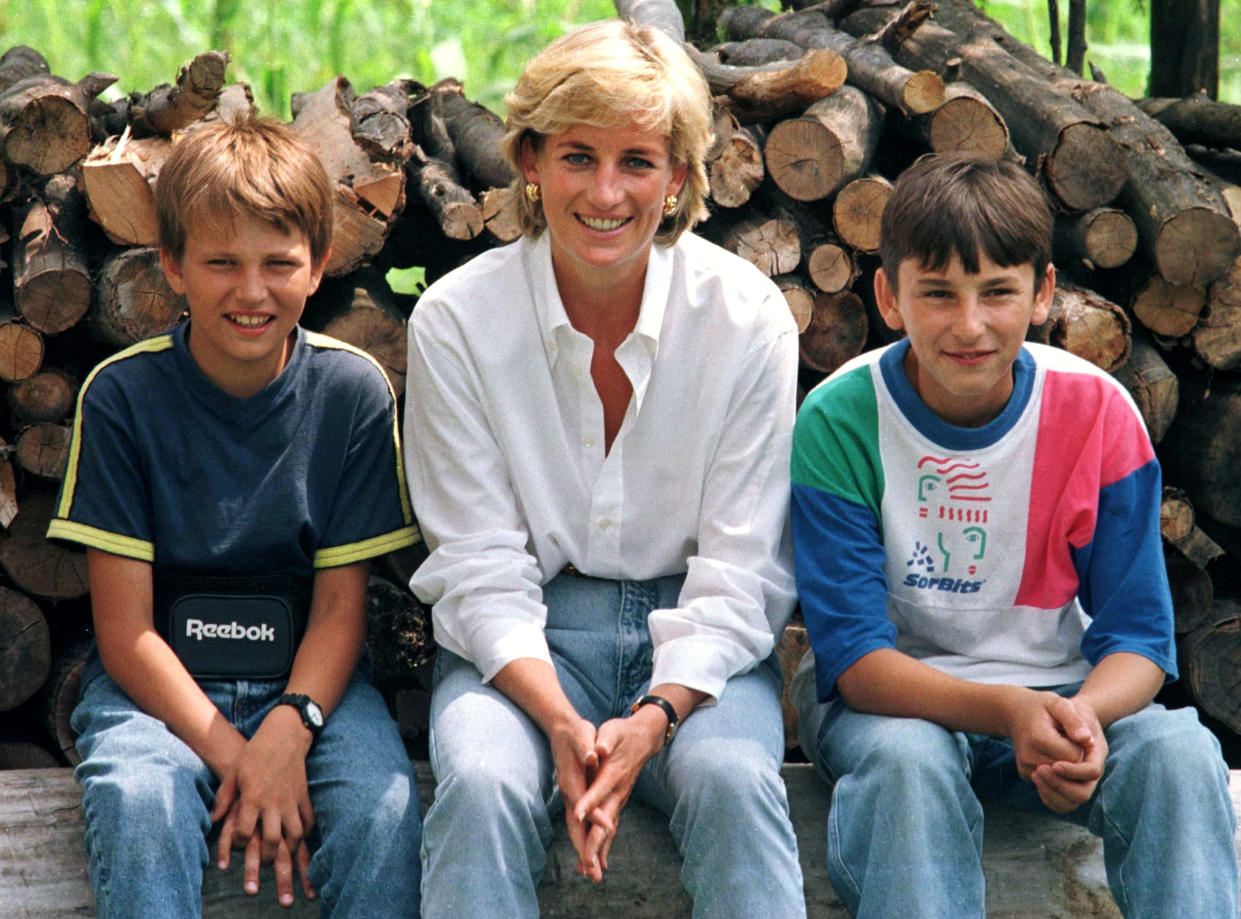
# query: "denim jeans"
[[146, 798], [496, 805], [904, 835]]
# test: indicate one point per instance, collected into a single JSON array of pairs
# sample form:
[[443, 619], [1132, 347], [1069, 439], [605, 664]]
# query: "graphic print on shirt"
[[954, 498]]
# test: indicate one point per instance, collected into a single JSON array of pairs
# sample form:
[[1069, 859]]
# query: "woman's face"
[[603, 197]]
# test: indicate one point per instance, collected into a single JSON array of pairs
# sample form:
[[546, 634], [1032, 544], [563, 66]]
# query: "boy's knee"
[[1173, 746]]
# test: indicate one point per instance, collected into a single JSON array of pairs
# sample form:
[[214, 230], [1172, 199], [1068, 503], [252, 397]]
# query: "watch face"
[[314, 714]]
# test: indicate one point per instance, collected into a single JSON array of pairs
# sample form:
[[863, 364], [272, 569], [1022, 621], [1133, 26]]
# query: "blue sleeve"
[[1123, 581], [371, 514], [104, 499], [839, 566]]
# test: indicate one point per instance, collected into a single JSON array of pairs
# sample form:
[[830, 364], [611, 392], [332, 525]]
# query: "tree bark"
[[476, 132], [770, 91], [1217, 338], [1088, 325], [1184, 47], [1202, 450], [1152, 384], [1068, 145], [870, 67], [166, 109], [379, 121], [1197, 119]]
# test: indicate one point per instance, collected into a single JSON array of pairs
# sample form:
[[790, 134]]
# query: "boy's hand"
[[264, 802], [1047, 728]]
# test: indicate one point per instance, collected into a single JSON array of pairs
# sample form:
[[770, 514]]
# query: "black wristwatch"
[[663, 703], [308, 708]]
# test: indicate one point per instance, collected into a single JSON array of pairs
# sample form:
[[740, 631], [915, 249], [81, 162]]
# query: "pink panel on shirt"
[[1076, 455]]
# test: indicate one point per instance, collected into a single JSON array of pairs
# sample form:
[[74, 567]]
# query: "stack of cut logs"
[[818, 110]]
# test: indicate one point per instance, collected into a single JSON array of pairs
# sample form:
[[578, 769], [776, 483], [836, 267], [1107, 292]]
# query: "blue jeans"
[[146, 798], [904, 834], [495, 806]]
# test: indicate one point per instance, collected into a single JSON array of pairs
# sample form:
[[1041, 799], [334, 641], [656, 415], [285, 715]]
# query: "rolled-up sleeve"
[[481, 579], [738, 591]]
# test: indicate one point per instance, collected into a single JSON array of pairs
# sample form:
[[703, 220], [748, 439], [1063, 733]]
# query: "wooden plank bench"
[[1036, 867]]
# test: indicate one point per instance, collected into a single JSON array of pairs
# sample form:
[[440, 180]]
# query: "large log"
[[45, 121], [37, 567], [1211, 656], [133, 299], [1202, 449], [858, 210], [359, 309], [1166, 309], [769, 91], [837, 331], [1105, 237], [870, 67], [64, 689], [1070, 147], [475, 131], [25, 648], [1152, 384], [21, 347], [379, 121], [965, 123], [1088, 325], [433, 172], [44, 396], [51, 274], [1197, 119], [771, 244], [830, 144], [737, 169], [43, 449], [1217, 337]]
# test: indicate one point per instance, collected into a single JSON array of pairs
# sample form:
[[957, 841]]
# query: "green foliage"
[[1118, 38], [280, 48]]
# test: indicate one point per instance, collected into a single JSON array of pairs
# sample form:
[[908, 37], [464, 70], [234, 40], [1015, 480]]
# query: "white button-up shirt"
[[505, 455]]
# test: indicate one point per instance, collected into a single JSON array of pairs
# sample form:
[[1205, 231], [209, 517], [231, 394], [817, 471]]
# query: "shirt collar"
[[549, 308]]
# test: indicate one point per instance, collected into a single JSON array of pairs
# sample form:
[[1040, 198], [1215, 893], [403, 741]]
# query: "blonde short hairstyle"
[[244, 166], [604, 74]]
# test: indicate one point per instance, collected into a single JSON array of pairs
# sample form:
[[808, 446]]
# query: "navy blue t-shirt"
[[166, 467]]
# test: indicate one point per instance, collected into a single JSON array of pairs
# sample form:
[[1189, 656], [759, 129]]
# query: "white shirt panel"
[[505, 455]]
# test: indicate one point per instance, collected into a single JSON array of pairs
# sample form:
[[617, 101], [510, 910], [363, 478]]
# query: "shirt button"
[[604, 523], [588, 441]]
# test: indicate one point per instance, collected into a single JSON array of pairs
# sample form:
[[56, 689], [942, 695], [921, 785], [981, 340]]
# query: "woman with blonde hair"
[[597, 435]]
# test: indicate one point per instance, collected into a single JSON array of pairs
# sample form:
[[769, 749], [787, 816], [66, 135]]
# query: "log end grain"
[[804, 158], [967, 124], [858, 209], [831, 267], [923, 92], [50, 135], [736, 172], [1087, 167], [25, 648], [837, 331], [1167, 309], [1196, 246], [21, 351]]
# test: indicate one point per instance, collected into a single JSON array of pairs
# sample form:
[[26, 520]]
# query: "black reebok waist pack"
[[233, 627]]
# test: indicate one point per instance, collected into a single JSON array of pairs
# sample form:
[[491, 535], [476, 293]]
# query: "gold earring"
[[533, 193], [670, 205]]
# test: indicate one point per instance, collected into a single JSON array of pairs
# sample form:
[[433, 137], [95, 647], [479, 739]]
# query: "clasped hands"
[[1060, 747], [596, 770], [263, 806]]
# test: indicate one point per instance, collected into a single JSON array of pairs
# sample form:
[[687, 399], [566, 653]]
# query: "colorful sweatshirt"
[[1022, 552]]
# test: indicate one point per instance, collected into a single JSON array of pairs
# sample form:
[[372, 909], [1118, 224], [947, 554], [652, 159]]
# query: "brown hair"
[[945, 205], [603, 74], [256, 167]]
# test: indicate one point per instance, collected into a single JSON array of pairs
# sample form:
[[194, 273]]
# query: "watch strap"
[[668, 710], [301, 702]]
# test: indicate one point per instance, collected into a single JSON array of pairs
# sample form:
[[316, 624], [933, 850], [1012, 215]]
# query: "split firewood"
[[1077, 157], [858, 210], [48, 395], [1197, 119], [51, 275], [45, 120], [870, 67], [737, 170], [25, 648], [370, 193], [359, 309], [830, 144], [37, 567], [1152, 384], [1086, 324], [43, 449], [379, 121], [133, 299], [1105, 237], [498, 220], [769, 91], [168, 108], [837, 331], [800, 298], [771, 244], [118, 177], [1178, 528], [1166, 309], [476, 132]]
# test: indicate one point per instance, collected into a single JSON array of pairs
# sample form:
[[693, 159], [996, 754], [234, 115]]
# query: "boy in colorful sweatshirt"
[[976, 534]]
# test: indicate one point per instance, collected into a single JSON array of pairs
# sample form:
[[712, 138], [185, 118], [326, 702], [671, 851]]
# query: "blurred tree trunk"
[[1184, 47]]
